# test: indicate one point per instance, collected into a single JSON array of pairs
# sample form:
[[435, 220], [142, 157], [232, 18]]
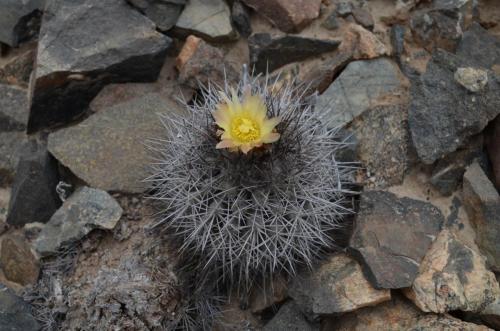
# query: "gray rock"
[[397, 35], [114, 156], [18, 262], [33, 196], [268, 52], [163, 13], [482, 203], [491, 315], [331, 22], [361, 86], [337, 286], [11, 144], [471, 78], [17, 70], [241, 18], [363, 17], [13, 108], [444, 114], [344, 8], [15, 19], [391, 237], [83, 211], [479, 47], [493, 148], [289, 318], [15, 313], [208, 19], [76, 57]]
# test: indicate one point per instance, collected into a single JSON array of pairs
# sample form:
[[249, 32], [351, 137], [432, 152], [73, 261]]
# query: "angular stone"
[[162, 12], [15, 313], [240, 15], [438, 123], [471, 78], [331, 22], [114, 156], [11, 144], [17, 69], [344, 8], [33, 196], [337, 286], [287, 15], [14, 20], [13, 108], [364, 18], [391, 237], [268, 52], [271, 294], [362, 43], [453, 276], [482, 203], [76, 58], [479, 47], [208, 19], [289, 318], [361, 86], [18, 263], [85, 210], [493, 148]]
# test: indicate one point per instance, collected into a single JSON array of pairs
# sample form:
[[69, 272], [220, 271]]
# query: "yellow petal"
[[255, 107], [225, 144], [245, 148], [270, 137], [269, 125], [222, 117]]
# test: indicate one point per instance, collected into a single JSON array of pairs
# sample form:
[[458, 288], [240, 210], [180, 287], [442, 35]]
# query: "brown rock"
[[264, 297], [338, 286], [493, 147], [453, 276], [17, 69], [361, 43], [364, 18], [287, 15], [19, 264]]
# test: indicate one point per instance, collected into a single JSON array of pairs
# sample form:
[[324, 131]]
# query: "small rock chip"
[[344, 8], [289, 318], [19, 264], [15, 313], [287, 15], [268, 52], [83, 211], [364, 18], [162, 12], [482, 203], [331, 22], [15, 17], [338, 286], [471, 78], [391, 237]]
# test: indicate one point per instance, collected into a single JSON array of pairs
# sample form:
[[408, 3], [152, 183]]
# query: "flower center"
[[245, 129]]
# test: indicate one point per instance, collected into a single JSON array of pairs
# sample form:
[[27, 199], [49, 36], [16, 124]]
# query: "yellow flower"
[[245, 123]]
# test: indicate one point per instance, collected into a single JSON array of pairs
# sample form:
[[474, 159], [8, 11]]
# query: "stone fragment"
[[33, 196], [453, 276], [289, 318], [361, 86], [13, 108], [11, 144], [344, 8], [397, 35], [76, 59], [287, 15], [438, 123], [479, 47], [268, 52], [493, 148], [363, 17], [331, 22], [482, 203], [15, 313], [471, 78], [391, 236], [362, 43], [241, 18], [271, 294], [18, 263], [208, 19], [338, 286], [491, 315], [163, 13], [18, 66], [85, 210], [16, 20], [114, 153]]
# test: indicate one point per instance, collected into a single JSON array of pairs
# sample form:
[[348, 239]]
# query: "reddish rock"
[[493, 147], [287, 15], [19, 264]]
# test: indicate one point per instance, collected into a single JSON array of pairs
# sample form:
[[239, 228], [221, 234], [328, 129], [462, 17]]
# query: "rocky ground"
[[416, 83]]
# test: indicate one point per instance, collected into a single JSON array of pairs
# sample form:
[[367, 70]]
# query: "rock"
[[338, 286], [208, 19], [13, 108], [289, 318], [362, 43], [15, 313], [83, 211], [113, 156], [391, 236], [16, 20], [269, 295], [482, 203], [493, 148], [17, 69], [33, 196], [471, 78], [438, 123], [364, 18], [199, 62], [241, 19], [453, 276], [19, 264], [163, 13], [11, 144], [491, 315], [398, 315], [344, 9], [397, 35], [268, 52], [76, 58], [479, 47], [287, 15], [331, 22], [361, 86]]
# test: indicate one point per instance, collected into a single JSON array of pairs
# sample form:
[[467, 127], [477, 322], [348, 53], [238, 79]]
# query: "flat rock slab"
[[208, 19], [338, 286], [15, 313], [82, 47], [453, 276], [289, 318], [482, 203], [361, 86], [287, 15], [14, 16], [268, 52], [114, 156], [392, 236], [85, 210]]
